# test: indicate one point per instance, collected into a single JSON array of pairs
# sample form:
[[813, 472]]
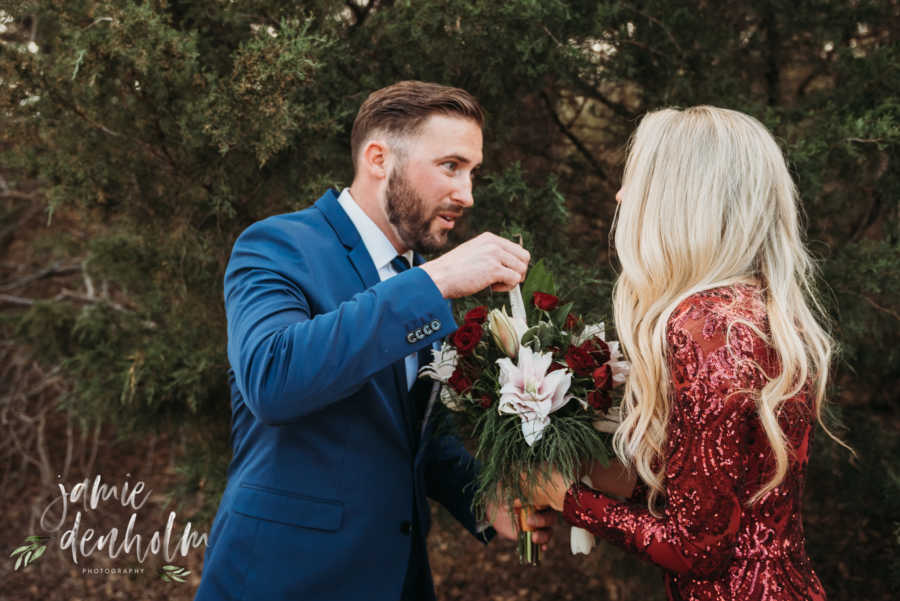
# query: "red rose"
[[599, 400], [466, 337], [545, 302], [579, 360], [603, 377], [459, 382], [477, 315], [584, 358], [598, 349], [571, 322]]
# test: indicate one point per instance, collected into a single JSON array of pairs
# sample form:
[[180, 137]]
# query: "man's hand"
[[504, 522], [486, 260]]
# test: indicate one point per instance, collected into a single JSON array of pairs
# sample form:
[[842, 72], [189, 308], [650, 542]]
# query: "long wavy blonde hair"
[[707, 201]]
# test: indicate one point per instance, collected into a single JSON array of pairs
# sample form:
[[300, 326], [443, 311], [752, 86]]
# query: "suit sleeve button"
[[411, 337], [436, 325], [419, 334]]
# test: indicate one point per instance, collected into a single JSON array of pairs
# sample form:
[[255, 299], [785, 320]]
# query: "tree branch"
[[820, 69], [22, 447], [878, 307], [72, 106], [68, 294], [19, 195], [65, 293], [866, 140], [773, 42], [616, 107], [581, 104], [17, 300], [88, 467], [6, 234], [661, 25], [47, 272], [573, 138], [592, 92]]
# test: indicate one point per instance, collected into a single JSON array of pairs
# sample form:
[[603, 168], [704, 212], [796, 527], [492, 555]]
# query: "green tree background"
[[137, 139]]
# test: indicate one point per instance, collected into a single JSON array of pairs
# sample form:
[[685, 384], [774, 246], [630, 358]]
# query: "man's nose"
[[462, 195]]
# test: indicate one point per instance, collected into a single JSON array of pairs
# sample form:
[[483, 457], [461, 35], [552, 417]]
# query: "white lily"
[[451, 400], [443, 363], [527, 390], [619, 367], [590, 330], [441, 369]]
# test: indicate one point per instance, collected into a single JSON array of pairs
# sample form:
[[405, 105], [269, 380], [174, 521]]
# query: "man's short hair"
[[400, 110]]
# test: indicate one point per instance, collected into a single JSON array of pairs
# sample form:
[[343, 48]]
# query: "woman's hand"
[[549, 490], [612, 479]]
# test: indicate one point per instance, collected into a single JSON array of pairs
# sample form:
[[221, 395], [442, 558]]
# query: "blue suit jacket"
[[328, 466]]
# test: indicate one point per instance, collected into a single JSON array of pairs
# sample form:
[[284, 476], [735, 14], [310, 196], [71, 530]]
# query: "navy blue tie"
[[399, 263]]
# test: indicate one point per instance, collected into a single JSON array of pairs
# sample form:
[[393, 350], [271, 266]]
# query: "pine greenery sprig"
[[567, 444]]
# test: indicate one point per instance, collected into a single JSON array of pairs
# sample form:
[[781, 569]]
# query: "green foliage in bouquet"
[[569, 442], [542, 413]]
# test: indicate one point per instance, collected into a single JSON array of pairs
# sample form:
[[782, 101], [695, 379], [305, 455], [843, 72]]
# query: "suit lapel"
[[362, 263], [348, 235]]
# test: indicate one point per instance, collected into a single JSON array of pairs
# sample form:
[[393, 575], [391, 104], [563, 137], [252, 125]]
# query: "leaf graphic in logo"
[[169, 573], [39, 552], [30, 552]]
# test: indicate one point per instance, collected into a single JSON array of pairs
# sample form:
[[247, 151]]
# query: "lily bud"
[[506, 331]]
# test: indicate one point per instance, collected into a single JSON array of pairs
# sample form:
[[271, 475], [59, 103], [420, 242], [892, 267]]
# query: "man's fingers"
[[540, 538], [487, 260], [505, 245], [508, 278], [540, 520], [513, 262], [511, 247]]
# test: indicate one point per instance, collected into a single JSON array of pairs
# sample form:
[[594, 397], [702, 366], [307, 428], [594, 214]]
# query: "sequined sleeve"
[[710, 415]]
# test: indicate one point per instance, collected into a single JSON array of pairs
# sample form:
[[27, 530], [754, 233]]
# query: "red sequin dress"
[[709, 542]]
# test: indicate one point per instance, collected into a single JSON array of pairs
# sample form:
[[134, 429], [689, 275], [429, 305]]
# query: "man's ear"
[[374, 159]]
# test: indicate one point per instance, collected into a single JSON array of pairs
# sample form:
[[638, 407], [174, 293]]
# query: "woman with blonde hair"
[[715, 310]]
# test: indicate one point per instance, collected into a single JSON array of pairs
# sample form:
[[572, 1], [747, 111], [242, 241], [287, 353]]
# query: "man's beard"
[[406, 212]]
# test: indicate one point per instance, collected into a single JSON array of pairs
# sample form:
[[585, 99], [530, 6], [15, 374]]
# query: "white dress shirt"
[[382, 253]]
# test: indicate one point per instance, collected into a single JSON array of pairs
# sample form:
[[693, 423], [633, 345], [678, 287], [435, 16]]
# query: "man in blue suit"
[[333, 453]]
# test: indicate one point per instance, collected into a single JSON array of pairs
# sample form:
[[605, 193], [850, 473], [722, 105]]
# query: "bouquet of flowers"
[[534, 390]]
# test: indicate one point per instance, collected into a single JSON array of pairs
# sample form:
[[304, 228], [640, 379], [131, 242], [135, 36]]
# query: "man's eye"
[[449, 165]]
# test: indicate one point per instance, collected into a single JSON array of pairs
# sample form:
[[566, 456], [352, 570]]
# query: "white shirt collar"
[[380, 248]]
